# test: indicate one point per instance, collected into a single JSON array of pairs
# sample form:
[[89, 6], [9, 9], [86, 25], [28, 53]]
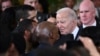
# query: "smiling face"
[[64, 24]]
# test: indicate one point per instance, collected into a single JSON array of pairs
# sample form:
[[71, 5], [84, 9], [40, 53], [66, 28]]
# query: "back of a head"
[[26, 24], [44, 31]]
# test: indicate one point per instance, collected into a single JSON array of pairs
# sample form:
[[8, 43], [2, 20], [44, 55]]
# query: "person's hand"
[[63, 47], [89, 45], [87, 42]]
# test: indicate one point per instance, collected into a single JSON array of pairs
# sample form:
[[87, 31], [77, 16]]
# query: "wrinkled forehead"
[[62, 16]]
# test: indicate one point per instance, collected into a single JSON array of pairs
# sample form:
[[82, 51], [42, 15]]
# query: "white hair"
[[69, 13]]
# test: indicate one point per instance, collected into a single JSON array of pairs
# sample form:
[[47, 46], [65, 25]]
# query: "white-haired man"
[[67, 22]]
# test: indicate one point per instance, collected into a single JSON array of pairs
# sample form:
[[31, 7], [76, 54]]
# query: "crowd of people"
[[30, 30]]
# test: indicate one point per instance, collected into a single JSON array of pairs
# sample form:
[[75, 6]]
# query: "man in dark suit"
[[46, 34], [67, 22], [87, 14]]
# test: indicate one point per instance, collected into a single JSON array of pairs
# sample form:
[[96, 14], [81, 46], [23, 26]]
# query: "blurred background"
[[54, 4]]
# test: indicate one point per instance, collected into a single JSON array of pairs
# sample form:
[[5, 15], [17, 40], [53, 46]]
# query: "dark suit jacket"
[[63, 39], [41, 45], [97, 23], [81, 27], [78, 34]]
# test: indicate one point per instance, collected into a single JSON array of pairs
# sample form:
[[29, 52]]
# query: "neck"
[[89, 24]]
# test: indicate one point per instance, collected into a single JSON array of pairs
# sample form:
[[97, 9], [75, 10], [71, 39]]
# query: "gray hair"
[[69, 13]]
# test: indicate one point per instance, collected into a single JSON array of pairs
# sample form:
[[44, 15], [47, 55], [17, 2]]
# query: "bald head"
[[87, 3], [87, 12], [45, 30]]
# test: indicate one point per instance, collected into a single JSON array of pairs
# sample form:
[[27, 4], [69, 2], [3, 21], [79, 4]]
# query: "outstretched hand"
[[89, 45]]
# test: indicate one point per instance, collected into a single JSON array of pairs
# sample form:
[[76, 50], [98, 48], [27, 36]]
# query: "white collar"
[[94, 24], [75, 31]]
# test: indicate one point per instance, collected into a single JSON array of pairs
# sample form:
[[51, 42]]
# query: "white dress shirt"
[[94, 24], [75, 31]]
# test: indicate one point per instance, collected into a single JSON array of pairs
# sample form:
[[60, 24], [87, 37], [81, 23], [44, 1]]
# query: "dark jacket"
[[63, 39], [41, 45]]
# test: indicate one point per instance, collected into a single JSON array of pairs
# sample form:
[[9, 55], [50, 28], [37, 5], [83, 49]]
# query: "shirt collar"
[[75, 31], [94, 24]]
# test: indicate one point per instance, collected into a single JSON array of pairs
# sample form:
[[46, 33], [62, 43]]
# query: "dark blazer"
[[78, 34], [41, 45], [63, 39], [81, 28]]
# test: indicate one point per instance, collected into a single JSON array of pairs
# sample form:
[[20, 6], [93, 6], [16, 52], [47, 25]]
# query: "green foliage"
[[15, 2], [54, 5]]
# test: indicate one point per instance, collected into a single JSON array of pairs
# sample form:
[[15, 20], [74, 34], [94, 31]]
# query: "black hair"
[[22, 11], [5, 41], [52, 15], [19, 42], [26, 24], [8, 19]]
